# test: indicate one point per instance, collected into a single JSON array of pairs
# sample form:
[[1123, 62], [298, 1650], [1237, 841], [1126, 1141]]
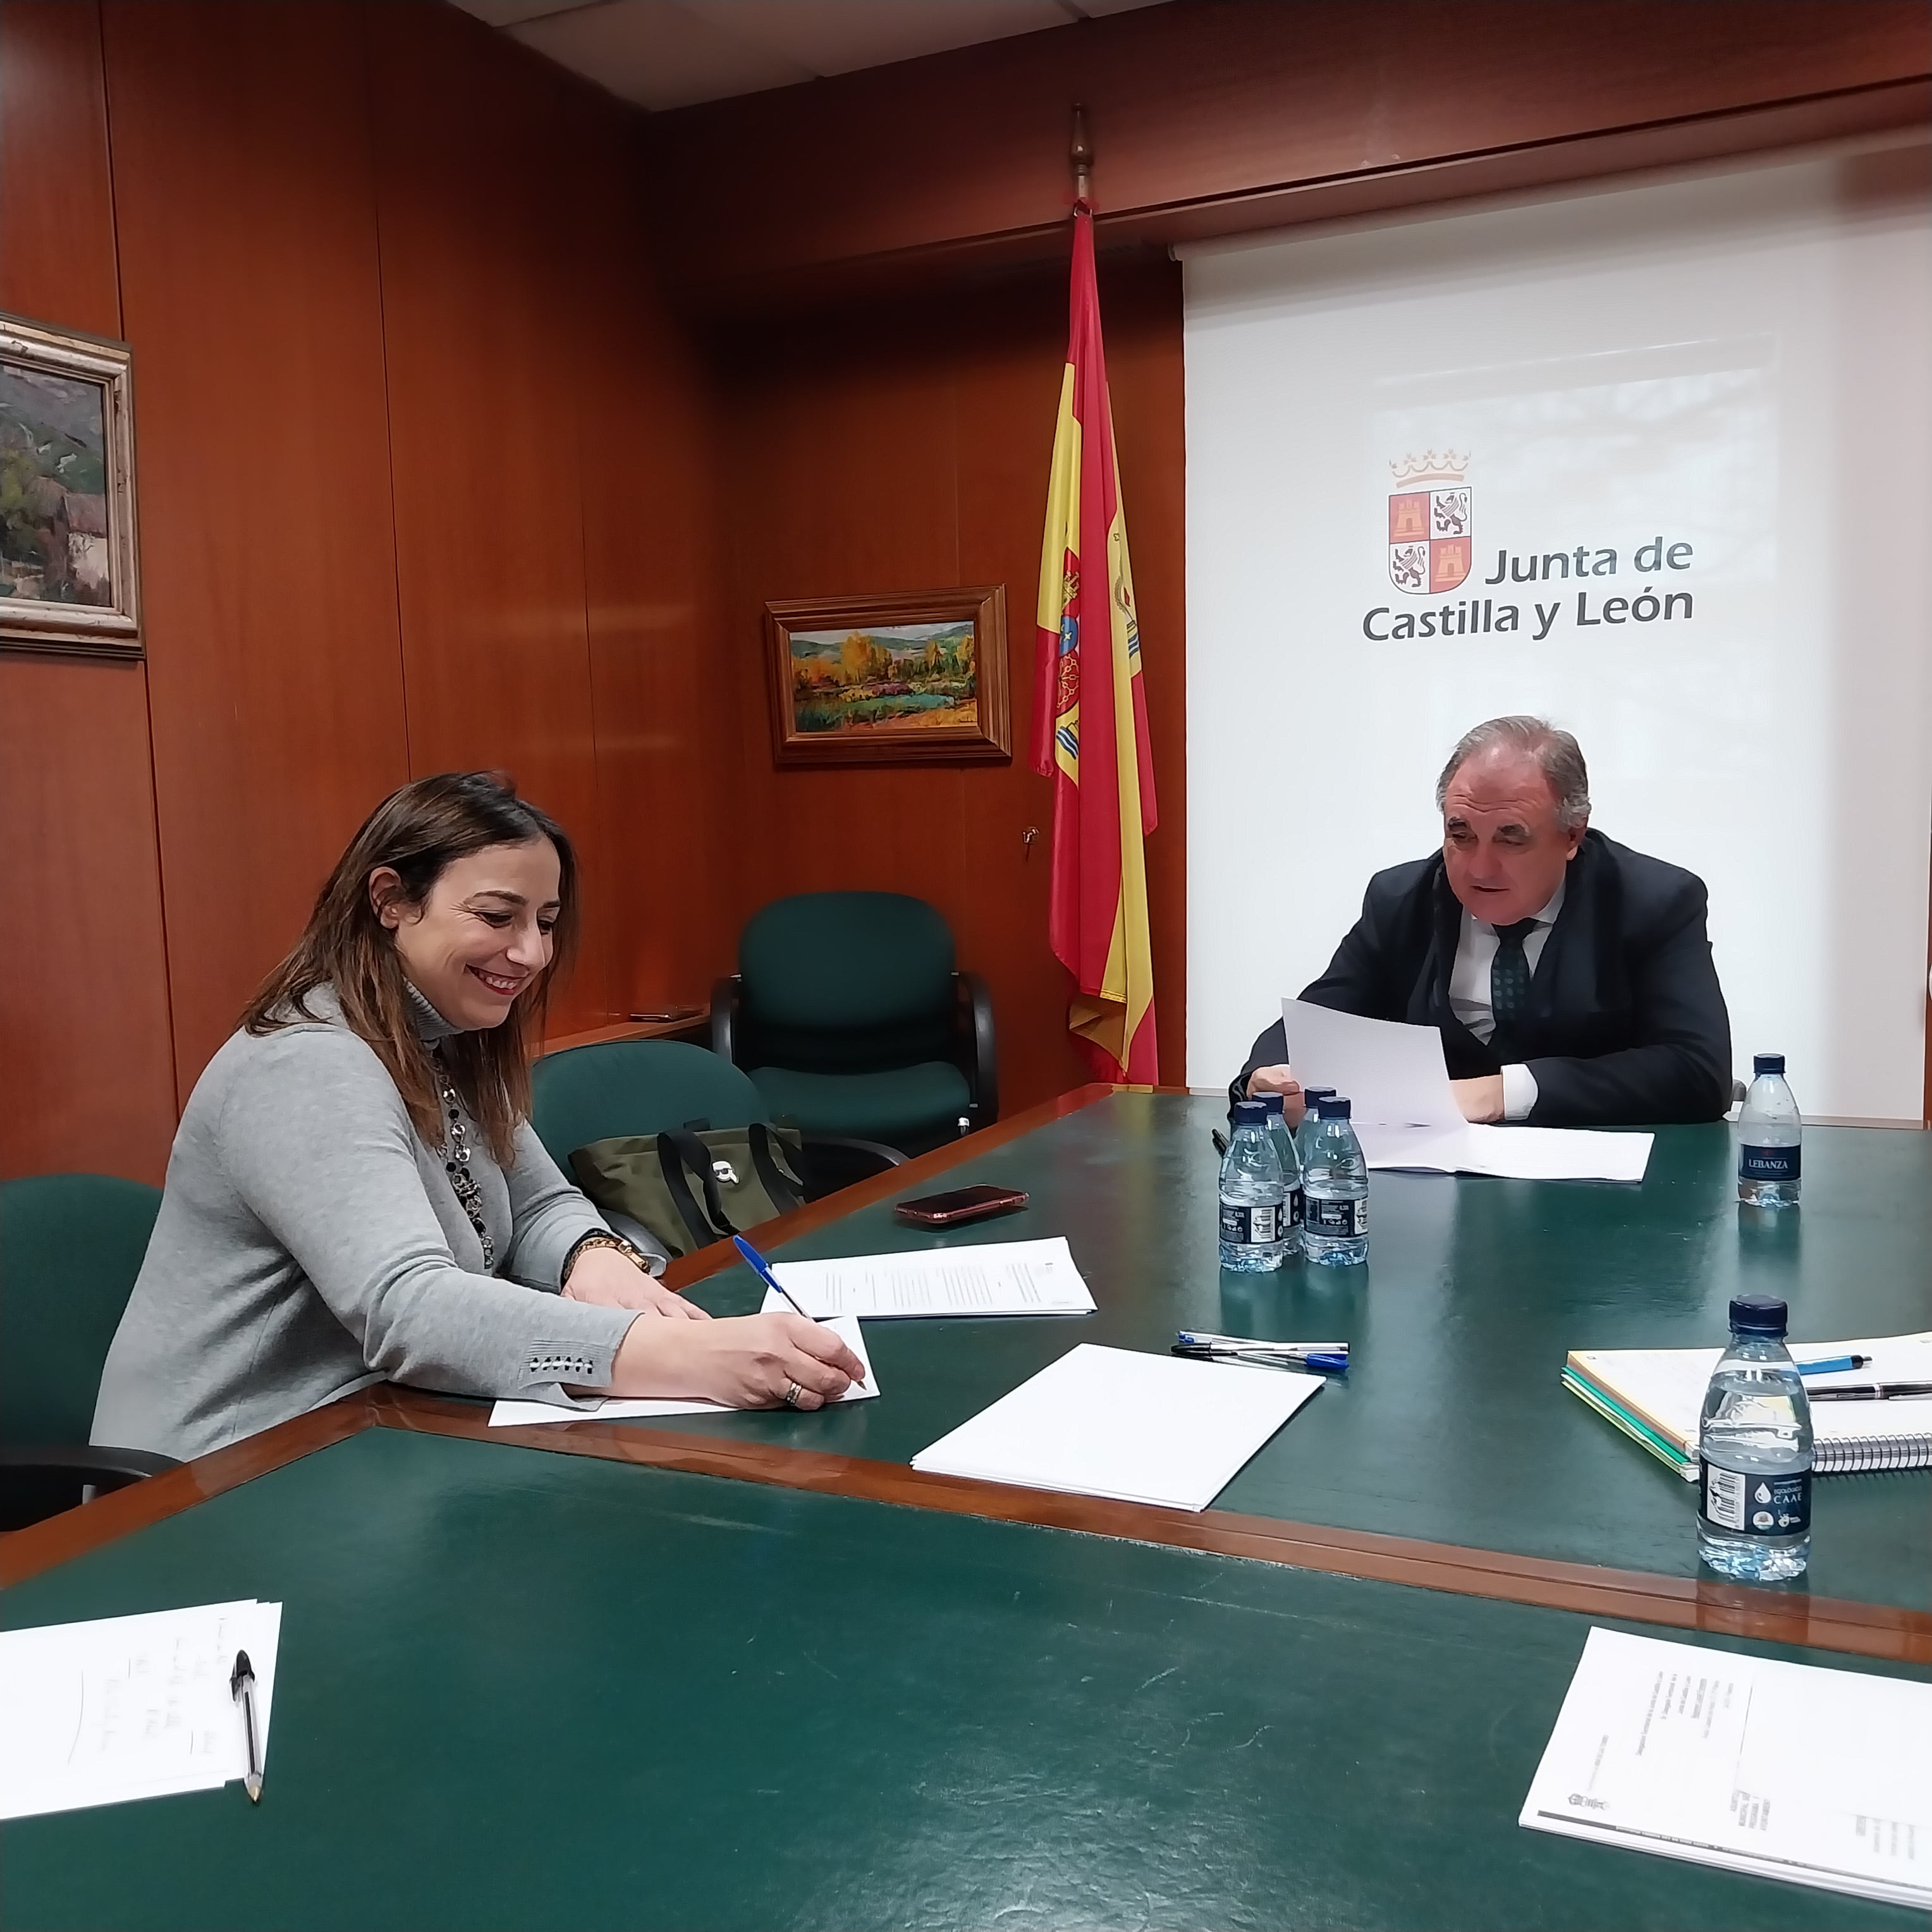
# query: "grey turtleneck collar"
[[431, 1027]]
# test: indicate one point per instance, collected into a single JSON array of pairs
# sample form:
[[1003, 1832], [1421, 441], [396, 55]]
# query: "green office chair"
[[847, 1011], [71, 1246], [588, 1093]]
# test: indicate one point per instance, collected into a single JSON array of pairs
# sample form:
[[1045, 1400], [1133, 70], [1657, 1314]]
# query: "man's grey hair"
[[1559, 755]]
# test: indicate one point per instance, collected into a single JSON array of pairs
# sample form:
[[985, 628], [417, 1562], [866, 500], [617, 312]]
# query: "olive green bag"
[[694, 1185]]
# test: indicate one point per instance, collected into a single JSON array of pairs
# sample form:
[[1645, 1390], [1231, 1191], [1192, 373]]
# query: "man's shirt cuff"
[[1519, 1092]]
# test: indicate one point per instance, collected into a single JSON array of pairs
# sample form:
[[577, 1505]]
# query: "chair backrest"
[[846, 982], [588, 1093], [71, 1246]]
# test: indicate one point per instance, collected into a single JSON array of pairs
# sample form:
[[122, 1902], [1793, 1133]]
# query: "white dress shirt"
[[1469, 992]]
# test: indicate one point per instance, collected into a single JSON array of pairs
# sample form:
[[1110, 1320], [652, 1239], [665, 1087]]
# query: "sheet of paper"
[[129, 1707], [987, 1278], [525, 1415], [1821, 1777], [1108, 1422], [1394, 1075]]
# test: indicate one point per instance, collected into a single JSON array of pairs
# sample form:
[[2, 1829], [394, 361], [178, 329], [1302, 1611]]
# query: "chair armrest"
[[37, 1481], [833, 1161], [983, 1074], [724, 1018]]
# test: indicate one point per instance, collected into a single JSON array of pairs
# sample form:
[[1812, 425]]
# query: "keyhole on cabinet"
[[1026, 842]]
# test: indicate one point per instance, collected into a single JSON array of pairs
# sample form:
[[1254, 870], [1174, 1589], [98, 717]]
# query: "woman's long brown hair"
[[418, 831]]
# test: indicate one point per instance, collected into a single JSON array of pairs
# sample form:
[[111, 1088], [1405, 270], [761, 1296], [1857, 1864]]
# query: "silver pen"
[[242, 1688]]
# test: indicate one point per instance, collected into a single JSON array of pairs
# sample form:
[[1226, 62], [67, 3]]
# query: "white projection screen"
[[1712, 393]]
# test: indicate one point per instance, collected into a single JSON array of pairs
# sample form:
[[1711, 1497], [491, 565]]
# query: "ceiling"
[[674, 53]]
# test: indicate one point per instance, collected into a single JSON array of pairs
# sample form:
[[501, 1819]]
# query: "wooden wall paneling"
[[56, 190], [669, 798], [485, 347], [89, 1080], [244, 196], [1220, 102]]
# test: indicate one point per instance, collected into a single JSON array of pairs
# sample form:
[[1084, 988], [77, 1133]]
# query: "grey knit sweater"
[[310, 1243]]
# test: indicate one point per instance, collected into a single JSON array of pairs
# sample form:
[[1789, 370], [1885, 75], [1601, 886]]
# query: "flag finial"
[[1080, 154]]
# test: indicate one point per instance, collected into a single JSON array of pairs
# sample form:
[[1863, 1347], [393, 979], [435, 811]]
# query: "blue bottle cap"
[[1332, 1107], [1759, 1315], [1312, 1094], [1768, 1063], [1249, 1114], [1271, 1103]]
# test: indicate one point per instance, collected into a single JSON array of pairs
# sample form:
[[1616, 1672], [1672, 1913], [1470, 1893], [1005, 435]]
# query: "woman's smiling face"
[[482, 935]]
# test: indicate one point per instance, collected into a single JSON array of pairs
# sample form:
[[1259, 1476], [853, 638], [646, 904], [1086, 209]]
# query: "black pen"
[[1870, 1392], [242, 1688]]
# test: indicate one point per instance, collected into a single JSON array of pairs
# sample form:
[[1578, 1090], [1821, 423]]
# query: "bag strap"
[[696, 1157], [671, 1165], [784, 1190]]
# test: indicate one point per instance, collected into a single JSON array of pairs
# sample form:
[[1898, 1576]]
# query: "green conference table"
[[532, 1690], [1453, 1425], [526, 1688]]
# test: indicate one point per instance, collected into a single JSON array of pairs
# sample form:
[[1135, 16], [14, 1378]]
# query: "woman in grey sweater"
[[355, 1193]]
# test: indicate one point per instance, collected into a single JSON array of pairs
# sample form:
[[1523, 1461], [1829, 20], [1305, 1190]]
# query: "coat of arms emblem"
[[1430, 541]]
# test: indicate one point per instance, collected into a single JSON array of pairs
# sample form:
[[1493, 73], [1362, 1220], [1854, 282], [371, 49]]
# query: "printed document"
[[1109, 1422], [524, 1414], [985, 1278], [130, 1707], [1405, 1114], [1821, 1777]]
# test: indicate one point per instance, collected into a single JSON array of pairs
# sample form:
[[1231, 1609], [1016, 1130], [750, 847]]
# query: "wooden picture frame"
[[904, 677], [69, 580]]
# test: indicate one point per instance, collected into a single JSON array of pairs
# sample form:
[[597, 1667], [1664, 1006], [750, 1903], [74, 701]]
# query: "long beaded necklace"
[[469, 1195]]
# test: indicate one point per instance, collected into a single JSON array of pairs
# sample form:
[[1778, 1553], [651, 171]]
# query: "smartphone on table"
[[962, 1204]]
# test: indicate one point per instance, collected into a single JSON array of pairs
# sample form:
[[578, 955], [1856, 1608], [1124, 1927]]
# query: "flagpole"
[[1081, 155]]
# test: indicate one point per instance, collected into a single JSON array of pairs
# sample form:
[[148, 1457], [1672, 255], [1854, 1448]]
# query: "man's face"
[[1503, 847]]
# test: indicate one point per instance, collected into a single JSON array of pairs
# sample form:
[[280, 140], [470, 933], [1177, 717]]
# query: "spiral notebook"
[[1655, 1396]]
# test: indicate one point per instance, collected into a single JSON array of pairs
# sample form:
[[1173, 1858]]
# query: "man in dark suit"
[[1571, 977]]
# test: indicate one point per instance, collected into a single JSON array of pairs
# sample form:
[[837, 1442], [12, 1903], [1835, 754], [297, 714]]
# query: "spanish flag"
[[1090, 712]]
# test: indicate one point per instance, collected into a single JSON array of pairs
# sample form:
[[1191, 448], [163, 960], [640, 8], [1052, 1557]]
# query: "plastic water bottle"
[[1254, 1198], [1334, 1190], [1304, 1138], [1283, 1143], [1771, 1132], [1754, 1453]]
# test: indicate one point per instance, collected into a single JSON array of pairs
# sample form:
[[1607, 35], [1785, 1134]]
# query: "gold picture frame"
[[897, 677], [69, 572]]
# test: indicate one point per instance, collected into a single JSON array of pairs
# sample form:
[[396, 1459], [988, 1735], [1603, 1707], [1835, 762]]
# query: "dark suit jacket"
[[1626, 1023]]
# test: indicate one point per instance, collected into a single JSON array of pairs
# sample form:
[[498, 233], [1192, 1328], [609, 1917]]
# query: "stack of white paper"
[[1405, 1114], [991, 1278], [524, 1414], [1823, 1777], [130, 1707], [1106, 1422]]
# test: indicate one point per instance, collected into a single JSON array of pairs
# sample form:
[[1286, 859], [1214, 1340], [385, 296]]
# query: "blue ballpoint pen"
[[1833, 1365], [763, 1269]]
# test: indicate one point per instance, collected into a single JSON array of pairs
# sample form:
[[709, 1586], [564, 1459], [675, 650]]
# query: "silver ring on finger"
[[793, 1395]]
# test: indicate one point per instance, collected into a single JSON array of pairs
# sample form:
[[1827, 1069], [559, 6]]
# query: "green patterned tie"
[[1509, 973]]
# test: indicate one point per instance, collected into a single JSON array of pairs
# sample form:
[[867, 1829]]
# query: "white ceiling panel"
[[658, 54], [839, 36], [675, 53]]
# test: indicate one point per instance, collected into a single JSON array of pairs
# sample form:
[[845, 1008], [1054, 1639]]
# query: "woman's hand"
[[609, 1277], [1279, 1080], [747, 1361]]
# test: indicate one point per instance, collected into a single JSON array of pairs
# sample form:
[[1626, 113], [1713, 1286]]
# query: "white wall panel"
[[1737, 363]]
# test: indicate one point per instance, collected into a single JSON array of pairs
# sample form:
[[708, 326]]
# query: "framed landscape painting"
[[68, 578], [906, 677]]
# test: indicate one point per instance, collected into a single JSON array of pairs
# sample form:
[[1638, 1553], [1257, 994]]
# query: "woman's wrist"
[[600, 1238]]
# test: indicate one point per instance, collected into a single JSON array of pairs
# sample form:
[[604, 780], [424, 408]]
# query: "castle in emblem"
[[1431, 541]]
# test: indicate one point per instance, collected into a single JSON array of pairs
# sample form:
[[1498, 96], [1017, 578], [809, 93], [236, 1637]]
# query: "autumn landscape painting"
[[917, 675]]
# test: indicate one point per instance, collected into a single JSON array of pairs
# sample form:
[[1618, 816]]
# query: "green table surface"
[[1453, 1425], [522, 1690]]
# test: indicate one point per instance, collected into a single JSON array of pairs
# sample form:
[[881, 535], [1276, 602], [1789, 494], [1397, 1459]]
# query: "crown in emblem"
[[1419, 472]]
